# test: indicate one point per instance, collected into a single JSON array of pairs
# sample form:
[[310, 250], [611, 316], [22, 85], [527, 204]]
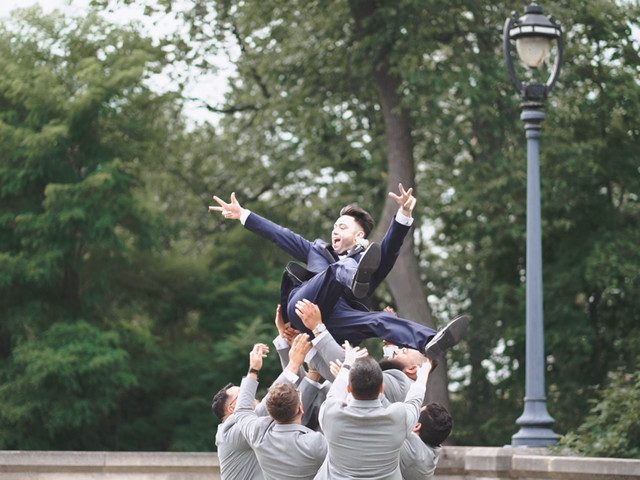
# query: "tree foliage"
[[63, 385], [609, 430], [84, 283], [105, 239]]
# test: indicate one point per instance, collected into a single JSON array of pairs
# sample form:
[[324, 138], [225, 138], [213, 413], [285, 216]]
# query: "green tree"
[[589, 151], [612, 428], [338, 97], [64, 384], [333, 101], [312, 75], [85, 288]]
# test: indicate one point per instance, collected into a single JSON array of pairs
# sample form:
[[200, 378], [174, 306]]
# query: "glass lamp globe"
[[533, 51]]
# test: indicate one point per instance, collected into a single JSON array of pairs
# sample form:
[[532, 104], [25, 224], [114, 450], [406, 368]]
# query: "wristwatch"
[[319, 329], [254, 370]]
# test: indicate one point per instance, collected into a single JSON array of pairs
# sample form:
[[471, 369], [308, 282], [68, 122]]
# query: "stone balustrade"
[[456, 463]]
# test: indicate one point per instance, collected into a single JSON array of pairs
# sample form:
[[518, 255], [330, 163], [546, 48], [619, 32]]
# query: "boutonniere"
[[363, 243]]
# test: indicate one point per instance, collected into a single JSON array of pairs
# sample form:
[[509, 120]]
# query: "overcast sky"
[[209, 88], [67, 5]]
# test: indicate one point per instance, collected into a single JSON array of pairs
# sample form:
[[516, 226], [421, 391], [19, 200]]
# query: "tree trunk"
[[404, 280]]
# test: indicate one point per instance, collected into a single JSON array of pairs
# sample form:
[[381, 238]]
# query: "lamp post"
[[533, 34]]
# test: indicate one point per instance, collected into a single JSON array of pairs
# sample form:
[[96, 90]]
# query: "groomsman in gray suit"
[[236, 457], [363, 436], [313, 392], [237, 460], [285, 449], [421, 450], [399, 372]]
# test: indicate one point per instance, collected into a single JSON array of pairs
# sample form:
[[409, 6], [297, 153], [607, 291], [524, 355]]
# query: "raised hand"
[[405, 200], [309, 313], [231, 210], [334, 367], [299, 349], [423, 371], [351, 354], [285, 330], [257, 354]]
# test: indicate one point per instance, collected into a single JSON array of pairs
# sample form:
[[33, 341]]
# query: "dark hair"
[[220, 400], [365, 379], [390, 364], [361, 217], [283, 402], [436, 424]]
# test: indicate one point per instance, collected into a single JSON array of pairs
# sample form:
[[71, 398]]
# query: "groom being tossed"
[[340, 276]]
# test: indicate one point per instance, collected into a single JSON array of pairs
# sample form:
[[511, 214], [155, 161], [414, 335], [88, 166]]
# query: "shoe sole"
[[447, 337], [369, 263]]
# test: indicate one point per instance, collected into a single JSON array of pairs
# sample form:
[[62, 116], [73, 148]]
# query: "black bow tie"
[[354, 251]]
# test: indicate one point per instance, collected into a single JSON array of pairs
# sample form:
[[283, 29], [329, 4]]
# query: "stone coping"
[[54, 460], [531, 463], [456, 463]]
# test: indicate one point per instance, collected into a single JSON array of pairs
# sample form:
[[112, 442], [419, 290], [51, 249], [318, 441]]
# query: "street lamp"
[[533, 34]]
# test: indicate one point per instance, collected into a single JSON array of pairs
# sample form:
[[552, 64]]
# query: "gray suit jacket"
[[283, 353], [396, 382], [364, 437], [396, 385], [236, 457], [417, 460], [284, 451], [311, 394]]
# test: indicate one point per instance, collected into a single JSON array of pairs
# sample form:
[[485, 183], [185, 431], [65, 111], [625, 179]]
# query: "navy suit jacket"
[[324, 282], [318, 254]]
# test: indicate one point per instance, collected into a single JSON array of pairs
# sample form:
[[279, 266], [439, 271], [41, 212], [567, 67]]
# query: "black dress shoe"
[[369, 263], [447, 337]]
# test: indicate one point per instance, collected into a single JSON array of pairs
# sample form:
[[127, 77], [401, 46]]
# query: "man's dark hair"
[[365, 378], [283, 402], [361, 217], [390, 364], [436, 424], [220, 400]]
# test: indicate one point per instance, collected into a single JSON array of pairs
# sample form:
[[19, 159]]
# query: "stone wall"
[[456, 463], [34, 465], [484, 463]]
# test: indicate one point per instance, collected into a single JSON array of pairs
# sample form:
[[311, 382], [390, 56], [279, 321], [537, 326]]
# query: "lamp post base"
[[535, 426], [534, 437]]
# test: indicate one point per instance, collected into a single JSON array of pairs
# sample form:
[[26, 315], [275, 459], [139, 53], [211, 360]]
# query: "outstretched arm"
[[299, 349], [339, 386], [415, 395], [291, 242], [247, 419], [423, 372], [393, 239]]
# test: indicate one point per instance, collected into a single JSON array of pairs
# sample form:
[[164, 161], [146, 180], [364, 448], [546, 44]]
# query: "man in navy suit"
[[341, 275]]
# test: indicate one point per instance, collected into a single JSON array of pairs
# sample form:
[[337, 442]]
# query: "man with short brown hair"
[[283, 402], [285, 449], [237, 459]]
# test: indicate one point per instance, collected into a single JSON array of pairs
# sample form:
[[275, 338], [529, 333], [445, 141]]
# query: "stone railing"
[[483, 463], [456, 463], [35, 465]]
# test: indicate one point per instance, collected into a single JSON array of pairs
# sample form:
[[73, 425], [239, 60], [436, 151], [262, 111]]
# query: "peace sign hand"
[[406, 200], [231, 210]]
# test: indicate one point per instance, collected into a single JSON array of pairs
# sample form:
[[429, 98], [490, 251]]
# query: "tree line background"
[[126, 305]]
